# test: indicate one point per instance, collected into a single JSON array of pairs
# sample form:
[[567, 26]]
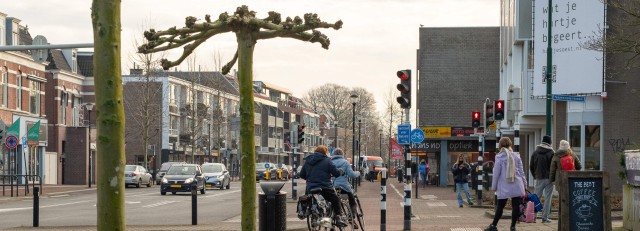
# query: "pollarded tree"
[[248, 30]]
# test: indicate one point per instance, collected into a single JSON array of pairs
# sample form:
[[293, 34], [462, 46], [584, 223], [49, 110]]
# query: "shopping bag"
[[536, 201], [529, 213]]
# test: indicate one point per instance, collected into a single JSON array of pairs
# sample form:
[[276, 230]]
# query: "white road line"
[[398, 192], [46, 206], [221, 194], [56, 196], [158, 204]]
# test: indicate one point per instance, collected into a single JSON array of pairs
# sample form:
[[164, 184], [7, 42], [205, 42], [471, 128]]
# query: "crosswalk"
[[159, 204]]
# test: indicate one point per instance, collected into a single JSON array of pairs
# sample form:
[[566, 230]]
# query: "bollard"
[[407, 189], [36, 206], [194, 204], [383, 201], [272, 208], [294, 185]]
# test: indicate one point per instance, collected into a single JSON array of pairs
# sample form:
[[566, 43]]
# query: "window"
[[173, 92], [574, 139], [63, 108], [592, 147], [5, 93], [34, 97], [19, 91]]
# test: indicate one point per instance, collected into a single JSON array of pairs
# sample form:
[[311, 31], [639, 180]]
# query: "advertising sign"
[[436, 132], [632, 166], [575, 70], [396, 150]]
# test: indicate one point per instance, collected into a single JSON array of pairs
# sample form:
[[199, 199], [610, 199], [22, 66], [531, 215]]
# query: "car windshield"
[[130, 168], [378, 163], [182, 170], [260, 166], [165, 166], [211, 168]]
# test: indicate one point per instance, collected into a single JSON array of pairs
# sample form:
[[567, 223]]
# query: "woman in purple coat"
[[508, 182]]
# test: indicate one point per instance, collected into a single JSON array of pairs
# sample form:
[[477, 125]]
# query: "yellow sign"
[[436, 132]]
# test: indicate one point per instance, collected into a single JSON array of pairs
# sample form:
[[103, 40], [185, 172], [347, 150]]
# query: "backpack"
[[566, 163]]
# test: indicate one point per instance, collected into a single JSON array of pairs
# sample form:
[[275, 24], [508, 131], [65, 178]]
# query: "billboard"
[[575, 70]]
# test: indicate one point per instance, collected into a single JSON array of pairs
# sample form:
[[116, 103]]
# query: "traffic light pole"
[[407, 180], [480, 169]]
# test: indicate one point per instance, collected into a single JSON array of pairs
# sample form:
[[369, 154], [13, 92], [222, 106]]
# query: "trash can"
[[272, 207]]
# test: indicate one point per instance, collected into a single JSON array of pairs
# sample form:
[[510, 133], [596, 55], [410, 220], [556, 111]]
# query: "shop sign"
[[464, 131], [632, 165], [436, 132], [426, 146]]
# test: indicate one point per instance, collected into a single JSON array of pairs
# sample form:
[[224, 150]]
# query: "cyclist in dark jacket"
[[317, 171]]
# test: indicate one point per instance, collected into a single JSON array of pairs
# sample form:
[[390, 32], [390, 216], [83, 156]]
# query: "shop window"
[[575, 135], [592, 147]]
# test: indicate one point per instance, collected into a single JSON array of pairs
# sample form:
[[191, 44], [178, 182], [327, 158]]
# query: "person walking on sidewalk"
[[423, 169], [508, 182], [414, 172], [539, 166], [564, 153], [460, 171]]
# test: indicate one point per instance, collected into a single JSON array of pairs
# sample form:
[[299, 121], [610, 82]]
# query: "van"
[[366, 161]]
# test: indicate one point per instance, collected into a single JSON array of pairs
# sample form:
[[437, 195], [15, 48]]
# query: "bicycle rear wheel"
[[359, 214]]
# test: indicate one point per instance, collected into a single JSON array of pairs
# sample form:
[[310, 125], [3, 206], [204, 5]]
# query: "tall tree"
[[110, 120], [391, 116], [332, 100], [248, 30]]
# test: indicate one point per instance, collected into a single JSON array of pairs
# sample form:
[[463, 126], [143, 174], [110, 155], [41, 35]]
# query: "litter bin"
[[272, 207]]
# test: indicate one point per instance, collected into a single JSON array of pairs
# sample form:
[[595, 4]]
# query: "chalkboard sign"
[[585, 204]]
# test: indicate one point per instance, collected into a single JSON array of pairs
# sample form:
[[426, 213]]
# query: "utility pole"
[[548, 72]]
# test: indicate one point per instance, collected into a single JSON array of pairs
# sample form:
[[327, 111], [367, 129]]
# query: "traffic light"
[[499, 109], [301, 134], [488, 116], [405, 88], [475, 119], [293, 137]]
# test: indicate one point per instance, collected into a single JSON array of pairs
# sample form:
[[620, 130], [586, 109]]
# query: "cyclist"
[[317, 171], [341, 182]]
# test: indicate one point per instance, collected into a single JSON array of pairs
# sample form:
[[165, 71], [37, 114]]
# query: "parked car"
[[163, 170], [261, 169], [182, 178], [216, 175], [137, 175], [289, 171]]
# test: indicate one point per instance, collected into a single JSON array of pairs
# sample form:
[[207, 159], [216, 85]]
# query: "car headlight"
[[164, 180], [187, 181]]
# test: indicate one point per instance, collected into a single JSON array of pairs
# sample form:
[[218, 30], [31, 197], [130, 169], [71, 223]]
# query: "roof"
[[57, 61], [276, 87], [85, 64], [211, 79], [25, 38]]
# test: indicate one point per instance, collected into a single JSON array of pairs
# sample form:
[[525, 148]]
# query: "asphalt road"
[[143, 206]]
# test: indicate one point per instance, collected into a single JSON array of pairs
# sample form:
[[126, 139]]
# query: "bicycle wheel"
[[346, 212], [359, 214], [313, 219]]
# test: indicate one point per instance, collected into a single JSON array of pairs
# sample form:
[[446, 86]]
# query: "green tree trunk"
[[247, 142], [110, 120]]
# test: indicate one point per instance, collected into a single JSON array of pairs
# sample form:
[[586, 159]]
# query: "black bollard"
[[36, 206], [194, 205], [383, 201]]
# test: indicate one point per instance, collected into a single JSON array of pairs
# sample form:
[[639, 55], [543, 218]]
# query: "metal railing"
[[24, 182]]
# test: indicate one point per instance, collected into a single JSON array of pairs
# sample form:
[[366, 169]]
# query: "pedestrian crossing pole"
[[407, 185], [480, 167], [383, 201]]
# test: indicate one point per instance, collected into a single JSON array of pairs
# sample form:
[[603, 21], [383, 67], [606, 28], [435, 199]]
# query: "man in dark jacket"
[[317, 171], [460, 171], [539, 166]]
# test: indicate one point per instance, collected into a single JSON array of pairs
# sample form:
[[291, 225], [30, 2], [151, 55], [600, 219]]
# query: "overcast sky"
[[378, 38]]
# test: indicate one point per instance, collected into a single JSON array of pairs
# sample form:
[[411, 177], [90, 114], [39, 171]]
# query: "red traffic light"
[[476, 115], [403, 75], [499, 104]]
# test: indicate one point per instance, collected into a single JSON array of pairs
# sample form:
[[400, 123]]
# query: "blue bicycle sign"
[[417, 135]]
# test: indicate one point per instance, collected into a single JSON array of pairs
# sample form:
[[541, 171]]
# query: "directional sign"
[[266, 165], [11, 142], [417, 135], [568, 98], [404, 134]]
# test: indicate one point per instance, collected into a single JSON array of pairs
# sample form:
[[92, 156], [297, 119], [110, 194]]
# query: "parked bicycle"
[[317, 211]]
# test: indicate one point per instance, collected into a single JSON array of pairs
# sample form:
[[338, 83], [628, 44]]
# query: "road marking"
[[436, 204], [429, 197], [56, 196], [221, 194], [447, 216], [398, 192], [132, 202], [466, 229], [158, 204], [46, 206]]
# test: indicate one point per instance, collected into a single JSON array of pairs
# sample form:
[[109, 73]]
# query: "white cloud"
[[377, 39]]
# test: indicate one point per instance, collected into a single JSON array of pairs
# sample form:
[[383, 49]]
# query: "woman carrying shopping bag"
[[508, 182]]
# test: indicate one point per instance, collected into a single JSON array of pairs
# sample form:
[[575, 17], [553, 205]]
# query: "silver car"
[[216, 176], [136, 175]]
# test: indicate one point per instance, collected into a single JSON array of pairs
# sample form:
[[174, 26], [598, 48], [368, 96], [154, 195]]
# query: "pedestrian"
[[372, 172], [508, 182], [539, 166], [564, 153], [460, 171], [400, 173], [423, 169], [414, 172]]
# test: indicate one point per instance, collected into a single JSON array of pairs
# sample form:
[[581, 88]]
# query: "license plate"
[[209, 185], [176, 186]]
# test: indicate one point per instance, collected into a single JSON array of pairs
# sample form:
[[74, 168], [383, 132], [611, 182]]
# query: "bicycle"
[[318, 211], [351, 219]]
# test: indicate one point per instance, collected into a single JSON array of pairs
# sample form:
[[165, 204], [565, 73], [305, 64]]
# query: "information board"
[[585, 205]]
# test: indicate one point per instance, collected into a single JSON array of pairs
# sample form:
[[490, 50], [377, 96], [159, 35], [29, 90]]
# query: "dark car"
[[216, 175], [182, 178], [163, 169], [261, 169]]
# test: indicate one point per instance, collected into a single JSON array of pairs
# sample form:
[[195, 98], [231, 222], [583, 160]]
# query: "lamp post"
[[354, 100], [89, 107], [380, 131], [335, 132]]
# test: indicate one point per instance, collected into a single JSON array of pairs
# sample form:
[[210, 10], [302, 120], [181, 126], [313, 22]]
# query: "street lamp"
[[89, 107], [354, 100], [380, 131], [335, 132]]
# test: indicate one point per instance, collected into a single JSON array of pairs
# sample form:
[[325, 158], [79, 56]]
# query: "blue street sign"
[[404, 133], [266, 165], [417, 135], [568, 98]]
